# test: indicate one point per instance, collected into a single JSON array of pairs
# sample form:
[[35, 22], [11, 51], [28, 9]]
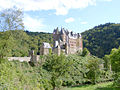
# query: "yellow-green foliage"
[[101, 86], [17, 75], [54, 72], [115, 63], [101, 39]]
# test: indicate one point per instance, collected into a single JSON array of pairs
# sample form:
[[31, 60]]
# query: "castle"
[[63, 41], [66, 42]]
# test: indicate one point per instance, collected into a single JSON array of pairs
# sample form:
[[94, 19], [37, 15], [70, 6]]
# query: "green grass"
[[101, 86]]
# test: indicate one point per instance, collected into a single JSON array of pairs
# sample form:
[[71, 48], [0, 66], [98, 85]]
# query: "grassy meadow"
[[101, 86]]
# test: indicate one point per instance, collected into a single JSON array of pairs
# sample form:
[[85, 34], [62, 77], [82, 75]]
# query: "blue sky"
[[75, 15]]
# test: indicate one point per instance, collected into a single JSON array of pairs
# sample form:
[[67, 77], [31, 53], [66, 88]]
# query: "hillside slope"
[[101, 39], [19, 42]]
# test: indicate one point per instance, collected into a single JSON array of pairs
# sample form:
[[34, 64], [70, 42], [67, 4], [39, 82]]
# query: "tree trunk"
[[54, 88]]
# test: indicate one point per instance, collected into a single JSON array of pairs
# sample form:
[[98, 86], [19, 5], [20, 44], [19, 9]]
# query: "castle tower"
[[66, 48], [55, 36], [58, 50], [80, 43], [63, 35], [31, 53], [45, 48]]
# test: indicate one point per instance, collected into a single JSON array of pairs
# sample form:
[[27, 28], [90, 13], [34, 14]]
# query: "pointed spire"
[[56, 31], [79, 35], [62, 31]]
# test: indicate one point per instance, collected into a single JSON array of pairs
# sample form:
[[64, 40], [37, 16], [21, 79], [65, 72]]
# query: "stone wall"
[[35, 58], [21, 59]]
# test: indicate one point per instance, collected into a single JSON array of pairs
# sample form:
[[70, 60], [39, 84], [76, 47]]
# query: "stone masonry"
[[66, 42]]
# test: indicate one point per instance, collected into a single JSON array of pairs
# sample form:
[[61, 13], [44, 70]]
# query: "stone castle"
[[63, 41]]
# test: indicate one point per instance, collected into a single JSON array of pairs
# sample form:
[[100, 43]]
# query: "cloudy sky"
[[75, 15]]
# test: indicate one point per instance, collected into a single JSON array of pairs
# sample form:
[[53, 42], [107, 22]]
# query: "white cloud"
[[69, 20], [104, 0], [108, 0], [33, 24], [84, 22], [61, 6]]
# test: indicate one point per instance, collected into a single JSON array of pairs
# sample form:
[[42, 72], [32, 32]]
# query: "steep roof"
[[62, 31], [46, 45], [56, 31]]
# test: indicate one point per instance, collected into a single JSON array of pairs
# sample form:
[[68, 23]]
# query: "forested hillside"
[[37, 38], [19, 42], [101, 39]]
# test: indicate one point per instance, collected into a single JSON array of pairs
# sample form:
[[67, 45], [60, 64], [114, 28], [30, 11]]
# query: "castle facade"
[[66, 42]]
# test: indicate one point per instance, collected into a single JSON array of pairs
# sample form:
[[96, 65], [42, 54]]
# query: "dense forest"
[[101, 39], [56, 72], [21, 42], [37, 38]]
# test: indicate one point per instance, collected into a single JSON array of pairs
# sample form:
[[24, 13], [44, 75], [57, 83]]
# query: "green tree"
[[78, 71], [93, 64], [11, 19], [58, 67], [107, 64], [6, 43], [85, 52], [115, 59], [115, 63]]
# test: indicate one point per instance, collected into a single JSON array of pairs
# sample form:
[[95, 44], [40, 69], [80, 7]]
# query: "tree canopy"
[[101, 39], [11, 19]]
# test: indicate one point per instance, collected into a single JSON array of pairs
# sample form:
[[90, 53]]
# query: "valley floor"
[[101, 86]]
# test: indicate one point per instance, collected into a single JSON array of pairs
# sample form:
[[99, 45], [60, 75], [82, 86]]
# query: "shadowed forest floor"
[[101, 86]]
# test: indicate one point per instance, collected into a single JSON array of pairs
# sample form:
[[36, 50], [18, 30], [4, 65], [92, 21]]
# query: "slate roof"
[[46, 45]]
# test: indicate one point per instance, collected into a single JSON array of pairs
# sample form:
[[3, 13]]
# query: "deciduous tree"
[[11, 19], [58, 67]]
